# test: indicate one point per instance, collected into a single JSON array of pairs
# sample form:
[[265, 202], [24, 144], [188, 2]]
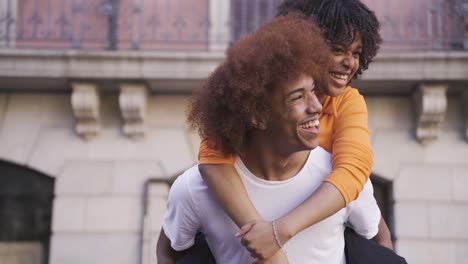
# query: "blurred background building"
[[92, 121]]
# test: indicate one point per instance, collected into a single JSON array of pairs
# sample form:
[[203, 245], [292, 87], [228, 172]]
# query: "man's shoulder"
[[186, 182], [319, 158]]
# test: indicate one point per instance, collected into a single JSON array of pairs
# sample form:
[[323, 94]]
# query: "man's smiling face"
[[294, 116]]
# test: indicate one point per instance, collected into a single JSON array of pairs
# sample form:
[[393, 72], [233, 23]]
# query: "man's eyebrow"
[[300, 89]]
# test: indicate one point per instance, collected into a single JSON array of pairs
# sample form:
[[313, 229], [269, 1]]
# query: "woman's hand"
[[278, 258], [259, 239]]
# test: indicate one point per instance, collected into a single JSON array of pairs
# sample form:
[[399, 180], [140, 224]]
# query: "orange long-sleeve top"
[[343, 132]]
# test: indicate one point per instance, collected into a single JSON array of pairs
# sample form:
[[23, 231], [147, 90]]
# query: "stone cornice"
[[71, 64], [170, 71], [434, 66], [107, 64]]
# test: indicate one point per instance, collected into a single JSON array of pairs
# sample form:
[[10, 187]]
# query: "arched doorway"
[[383, 193], [25, 214]]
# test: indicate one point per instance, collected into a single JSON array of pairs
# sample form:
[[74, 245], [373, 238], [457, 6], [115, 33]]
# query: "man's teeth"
[[343, 77], [310, 124]]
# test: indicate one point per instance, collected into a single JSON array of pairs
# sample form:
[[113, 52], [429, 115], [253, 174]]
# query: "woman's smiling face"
[[345, 63]]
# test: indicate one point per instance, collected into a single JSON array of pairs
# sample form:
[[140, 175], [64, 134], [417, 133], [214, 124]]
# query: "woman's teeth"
[[343, 77], [310, 124]]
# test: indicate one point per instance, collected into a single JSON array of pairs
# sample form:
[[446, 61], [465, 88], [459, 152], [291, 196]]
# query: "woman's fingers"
[[245, 229]]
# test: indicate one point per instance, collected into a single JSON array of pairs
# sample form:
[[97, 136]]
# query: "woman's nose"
[[348, 61]]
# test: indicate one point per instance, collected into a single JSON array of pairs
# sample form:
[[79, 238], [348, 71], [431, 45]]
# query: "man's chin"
[[312, 145], [315, 146]]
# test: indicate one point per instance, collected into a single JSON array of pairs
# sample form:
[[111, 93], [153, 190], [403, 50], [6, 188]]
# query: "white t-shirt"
[[191, 208]]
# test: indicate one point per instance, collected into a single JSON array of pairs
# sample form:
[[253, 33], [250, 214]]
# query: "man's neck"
[[267, 162]]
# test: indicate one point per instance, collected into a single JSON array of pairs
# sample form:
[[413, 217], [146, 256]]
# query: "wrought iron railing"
[[111, 24], [247, 15], [406, 25], [187, 25], [422, 24]]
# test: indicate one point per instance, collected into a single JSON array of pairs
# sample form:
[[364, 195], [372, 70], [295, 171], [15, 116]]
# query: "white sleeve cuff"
[[177, 245]]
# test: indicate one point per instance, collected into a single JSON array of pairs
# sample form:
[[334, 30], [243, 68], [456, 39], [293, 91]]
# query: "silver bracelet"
[[276, 235]]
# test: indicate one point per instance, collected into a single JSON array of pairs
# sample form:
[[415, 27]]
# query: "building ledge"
[[182, 71]]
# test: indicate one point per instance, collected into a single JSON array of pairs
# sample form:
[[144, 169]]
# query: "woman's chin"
[[335, 91]]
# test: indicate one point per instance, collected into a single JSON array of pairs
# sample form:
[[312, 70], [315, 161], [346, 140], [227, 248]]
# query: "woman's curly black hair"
[[341, 21], [237, 95]]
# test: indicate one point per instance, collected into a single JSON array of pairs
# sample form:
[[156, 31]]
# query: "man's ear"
[[261, 125]]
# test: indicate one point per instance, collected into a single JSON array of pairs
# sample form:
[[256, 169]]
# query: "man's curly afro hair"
[[237, 95], [341, 21]]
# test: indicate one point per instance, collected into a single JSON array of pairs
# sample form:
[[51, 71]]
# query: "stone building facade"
[[105, 123]]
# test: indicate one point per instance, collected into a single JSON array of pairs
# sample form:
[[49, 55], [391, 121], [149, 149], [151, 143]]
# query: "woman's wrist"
[[283, 231]]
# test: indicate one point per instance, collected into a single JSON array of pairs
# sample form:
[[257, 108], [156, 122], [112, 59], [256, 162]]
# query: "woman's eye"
[[357, 54], [337, 50], [297, 98]]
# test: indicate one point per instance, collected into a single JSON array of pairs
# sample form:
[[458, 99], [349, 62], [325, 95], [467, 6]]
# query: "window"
[[383, 193], [25, 214]]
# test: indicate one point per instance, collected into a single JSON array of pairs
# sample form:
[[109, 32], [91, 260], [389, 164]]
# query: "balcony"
[[203, 25], [182, 25], [172, 45]]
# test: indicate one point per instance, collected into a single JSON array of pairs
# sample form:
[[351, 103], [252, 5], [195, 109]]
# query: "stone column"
[[430, 104], [220, 26], [8, 23]]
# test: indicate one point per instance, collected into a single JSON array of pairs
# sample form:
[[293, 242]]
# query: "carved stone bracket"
[[431, 104], [85, 105], [132, 102], [465, 110]]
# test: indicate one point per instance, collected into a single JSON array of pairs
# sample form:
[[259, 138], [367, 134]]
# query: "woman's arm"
[[352, 156], [228, 189], [324, 202]]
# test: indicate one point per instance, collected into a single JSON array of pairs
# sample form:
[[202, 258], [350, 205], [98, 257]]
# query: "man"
[[261, 106]]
